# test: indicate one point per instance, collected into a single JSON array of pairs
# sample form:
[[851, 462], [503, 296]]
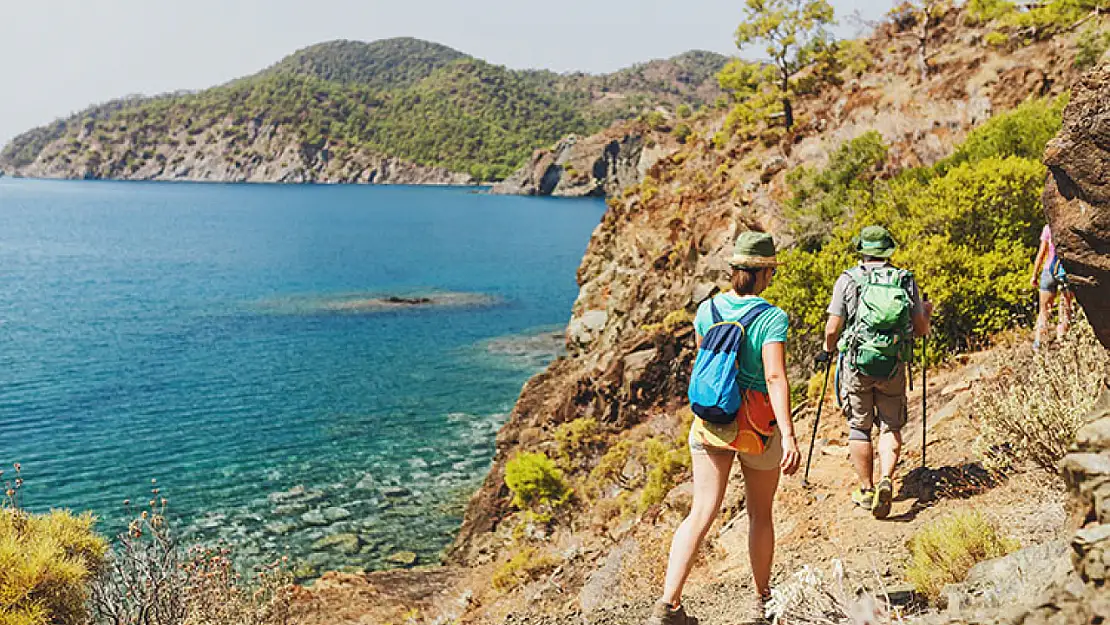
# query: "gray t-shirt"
[[845, 297]]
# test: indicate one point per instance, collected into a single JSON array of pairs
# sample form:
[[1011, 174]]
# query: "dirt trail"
[[819, 524]]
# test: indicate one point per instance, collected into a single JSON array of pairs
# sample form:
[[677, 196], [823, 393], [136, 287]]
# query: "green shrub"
[[682, 132], [526, 566], [1052, 17], [684, 111], [535, 481], [1092, 44], [967, 228], [576, 439], [854, 56], [823, 197], [943, 552], [1023, 132], [983, 11], [610, 469], [996, 39], [667, 463], [46, 562]]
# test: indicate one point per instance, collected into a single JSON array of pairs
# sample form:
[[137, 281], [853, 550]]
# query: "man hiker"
[[875, 313]]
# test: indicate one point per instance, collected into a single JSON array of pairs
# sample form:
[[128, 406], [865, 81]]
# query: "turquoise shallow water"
[[191, 333]]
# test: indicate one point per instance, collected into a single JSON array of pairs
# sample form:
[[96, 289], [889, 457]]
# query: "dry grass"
[[150, 579], [943, 552], [1032, 412]]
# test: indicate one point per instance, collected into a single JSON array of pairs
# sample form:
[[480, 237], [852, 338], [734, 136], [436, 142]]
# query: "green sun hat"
[[754, 250], [875, 241]]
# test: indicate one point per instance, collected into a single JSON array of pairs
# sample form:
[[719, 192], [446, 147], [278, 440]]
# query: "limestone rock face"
[[596, 166], [1077, 197]]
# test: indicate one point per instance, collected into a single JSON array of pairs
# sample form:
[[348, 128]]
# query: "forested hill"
[[397, 110]]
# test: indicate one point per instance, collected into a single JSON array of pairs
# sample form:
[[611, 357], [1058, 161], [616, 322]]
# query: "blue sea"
[[231, 342]]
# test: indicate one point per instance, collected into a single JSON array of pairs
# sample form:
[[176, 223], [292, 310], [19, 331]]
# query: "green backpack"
[[880, 336]]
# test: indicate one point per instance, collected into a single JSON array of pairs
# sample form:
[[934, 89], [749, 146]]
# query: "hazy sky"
[[59, 56]]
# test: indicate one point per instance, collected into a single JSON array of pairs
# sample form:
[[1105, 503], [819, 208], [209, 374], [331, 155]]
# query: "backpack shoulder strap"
[[858, 274], [717, 318], [753, 313]]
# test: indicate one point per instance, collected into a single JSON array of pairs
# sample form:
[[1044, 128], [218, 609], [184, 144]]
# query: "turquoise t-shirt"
[[771, 326]]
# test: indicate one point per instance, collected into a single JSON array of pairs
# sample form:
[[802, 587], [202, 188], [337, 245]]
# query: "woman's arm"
[[1039, 262], [778, 388]]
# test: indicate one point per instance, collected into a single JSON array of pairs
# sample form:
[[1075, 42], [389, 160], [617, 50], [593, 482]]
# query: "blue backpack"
[[714, 393]]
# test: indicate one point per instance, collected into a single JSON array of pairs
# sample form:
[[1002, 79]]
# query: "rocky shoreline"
[[268, 156]]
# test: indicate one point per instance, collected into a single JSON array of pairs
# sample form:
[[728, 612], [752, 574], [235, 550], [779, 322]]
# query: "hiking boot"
[[664, 614], [759, 610], [864, 498], [884, 495]]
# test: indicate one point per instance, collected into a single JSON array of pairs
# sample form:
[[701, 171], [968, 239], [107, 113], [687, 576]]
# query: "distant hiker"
[[1049, 275], [742, 338], [877, 308]]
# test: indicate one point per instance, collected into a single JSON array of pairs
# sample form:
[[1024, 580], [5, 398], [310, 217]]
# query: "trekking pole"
[[924, 397], [820, 405]]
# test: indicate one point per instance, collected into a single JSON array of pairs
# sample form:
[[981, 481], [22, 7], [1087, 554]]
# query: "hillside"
[[948, 158], [398, 110]]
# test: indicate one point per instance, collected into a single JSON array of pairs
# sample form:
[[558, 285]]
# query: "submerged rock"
[[280, 529], [315, 518], [336, 514], [346, 543], [402, 558]]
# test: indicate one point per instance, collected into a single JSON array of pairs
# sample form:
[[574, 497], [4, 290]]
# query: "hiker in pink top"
[[1049, 275]]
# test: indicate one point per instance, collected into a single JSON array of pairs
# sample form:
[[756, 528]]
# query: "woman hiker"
[[762, 435], [1049, 276]]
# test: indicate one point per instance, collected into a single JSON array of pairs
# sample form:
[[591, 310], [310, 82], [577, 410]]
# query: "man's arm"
[[921, 313], [921, 321], [832, 332]]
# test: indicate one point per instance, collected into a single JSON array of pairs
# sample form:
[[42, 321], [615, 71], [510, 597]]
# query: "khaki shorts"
[[866, 399], [767, 461]]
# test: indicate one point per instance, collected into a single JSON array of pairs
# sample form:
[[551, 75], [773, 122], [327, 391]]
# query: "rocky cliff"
[[1077, 203], [1077, 197], [600, 165], [264, 153]]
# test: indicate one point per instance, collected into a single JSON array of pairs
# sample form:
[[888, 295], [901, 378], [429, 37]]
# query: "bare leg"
[[759, 489], [1065, 315], [863, 454], [710, 481], [890, 447], [1047, 298]]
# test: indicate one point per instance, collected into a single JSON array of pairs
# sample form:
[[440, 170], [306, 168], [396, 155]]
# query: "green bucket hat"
[[875, 241], [754, 250]]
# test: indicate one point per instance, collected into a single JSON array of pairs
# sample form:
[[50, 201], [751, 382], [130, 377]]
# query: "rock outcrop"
[[1077, 202], [600, 165], [270, 155], [1077, 197]]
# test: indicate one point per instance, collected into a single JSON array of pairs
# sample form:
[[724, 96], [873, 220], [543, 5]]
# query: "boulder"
[[1011, 580], [1077, 195], [772, 167], [585, 329]]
